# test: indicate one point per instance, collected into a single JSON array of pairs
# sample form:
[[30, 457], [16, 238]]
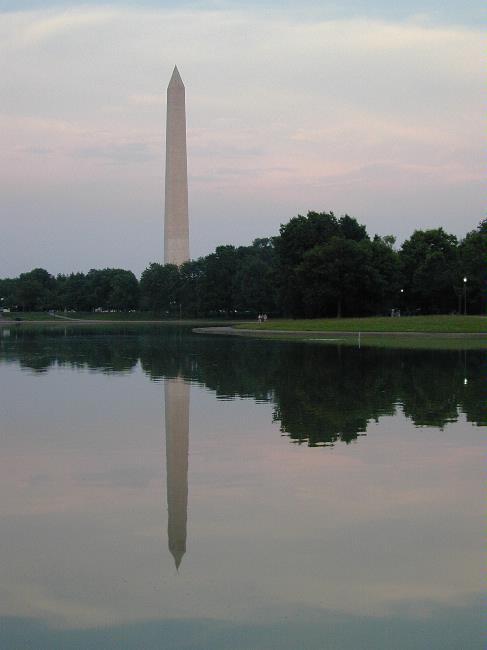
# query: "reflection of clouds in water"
[[268, 525], [39, 480], [132, 476], [294, 627], [44, 602]]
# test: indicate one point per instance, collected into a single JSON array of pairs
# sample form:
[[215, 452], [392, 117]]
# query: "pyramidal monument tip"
[[176, 77], [176, 220]]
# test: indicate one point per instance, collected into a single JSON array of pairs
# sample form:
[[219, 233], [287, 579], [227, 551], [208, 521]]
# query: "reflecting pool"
[[163, 489]]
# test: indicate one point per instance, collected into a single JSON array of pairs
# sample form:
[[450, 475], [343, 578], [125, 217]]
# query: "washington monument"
[[176, 226]]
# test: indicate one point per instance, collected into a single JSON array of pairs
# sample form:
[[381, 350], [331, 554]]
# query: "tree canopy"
[[318, 265]]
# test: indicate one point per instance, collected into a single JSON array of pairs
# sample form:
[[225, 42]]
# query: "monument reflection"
[[176, 400]]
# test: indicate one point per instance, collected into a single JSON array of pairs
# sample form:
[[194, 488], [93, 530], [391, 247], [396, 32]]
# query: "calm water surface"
[[160, 489]]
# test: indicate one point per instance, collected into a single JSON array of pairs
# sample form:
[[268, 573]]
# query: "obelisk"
[[176, 393], [176, 226]]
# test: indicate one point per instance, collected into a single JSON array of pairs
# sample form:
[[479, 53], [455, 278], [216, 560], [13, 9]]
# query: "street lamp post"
[[465, 296]]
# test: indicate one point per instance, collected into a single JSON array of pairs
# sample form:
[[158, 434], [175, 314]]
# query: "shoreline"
[[324, 335], [231, 330]]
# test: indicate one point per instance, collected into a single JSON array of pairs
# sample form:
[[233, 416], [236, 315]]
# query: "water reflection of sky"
[[374, 544]]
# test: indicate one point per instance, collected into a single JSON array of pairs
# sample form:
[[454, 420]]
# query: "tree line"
[[319, 265]]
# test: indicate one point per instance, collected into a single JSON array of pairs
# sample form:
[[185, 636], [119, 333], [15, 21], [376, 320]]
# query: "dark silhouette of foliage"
[[472, 264], [429, 262], [318, 265]]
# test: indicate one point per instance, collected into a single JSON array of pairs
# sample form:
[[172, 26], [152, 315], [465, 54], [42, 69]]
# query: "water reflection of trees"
[[320, 394]]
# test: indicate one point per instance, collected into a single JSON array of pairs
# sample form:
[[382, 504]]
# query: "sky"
[[369, 108]]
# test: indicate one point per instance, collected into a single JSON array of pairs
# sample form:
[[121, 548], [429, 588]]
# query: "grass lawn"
[[420, 324]]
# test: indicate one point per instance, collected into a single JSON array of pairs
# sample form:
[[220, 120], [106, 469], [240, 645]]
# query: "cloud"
[[279, 105], [148, 100], [127, 152], [44, 28], [38, 151]]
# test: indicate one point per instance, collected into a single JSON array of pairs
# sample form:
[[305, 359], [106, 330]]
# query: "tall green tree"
[[218, 280], [429, 266], [8, 292], [36, 290], [332, 276], [296, 237], [255, 285], [472, 264], [191, 275], [299, 236], [124, 293], [72, 292], [160, 287], [384, 280]]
